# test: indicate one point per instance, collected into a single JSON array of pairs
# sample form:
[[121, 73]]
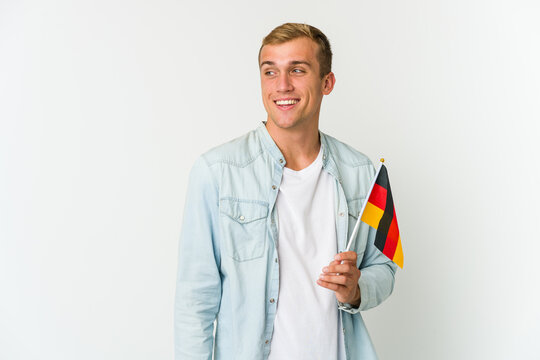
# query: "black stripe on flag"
[[388, 215], [382, 178]]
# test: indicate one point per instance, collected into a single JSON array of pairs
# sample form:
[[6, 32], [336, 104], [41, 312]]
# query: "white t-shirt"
[[307, 323]]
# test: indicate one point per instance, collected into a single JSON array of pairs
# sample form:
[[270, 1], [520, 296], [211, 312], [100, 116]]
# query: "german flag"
[[379, 213]]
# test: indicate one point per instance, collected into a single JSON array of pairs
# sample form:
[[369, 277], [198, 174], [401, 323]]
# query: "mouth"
[[286, 104]]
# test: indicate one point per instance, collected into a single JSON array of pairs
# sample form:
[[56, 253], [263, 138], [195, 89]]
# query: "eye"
[[269, 73], [298, 71]]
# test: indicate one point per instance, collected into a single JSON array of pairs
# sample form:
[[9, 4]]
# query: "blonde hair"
[[291, 31]]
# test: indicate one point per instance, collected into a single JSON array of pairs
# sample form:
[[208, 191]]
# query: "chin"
[[284, 123]]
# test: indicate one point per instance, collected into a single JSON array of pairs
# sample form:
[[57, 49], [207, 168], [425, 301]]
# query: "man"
[[266, 222]]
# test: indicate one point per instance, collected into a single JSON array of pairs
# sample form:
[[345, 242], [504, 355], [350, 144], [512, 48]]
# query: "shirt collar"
[[276, 154]]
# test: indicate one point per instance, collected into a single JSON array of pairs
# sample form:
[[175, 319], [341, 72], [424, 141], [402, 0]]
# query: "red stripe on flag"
[[391, 238], [378, 196]]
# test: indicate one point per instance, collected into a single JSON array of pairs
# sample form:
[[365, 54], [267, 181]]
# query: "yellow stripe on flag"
[[398, 255], [372, 215]]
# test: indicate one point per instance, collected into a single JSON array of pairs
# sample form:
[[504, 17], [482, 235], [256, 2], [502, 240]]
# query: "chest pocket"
[[243, 224], [359, 245]]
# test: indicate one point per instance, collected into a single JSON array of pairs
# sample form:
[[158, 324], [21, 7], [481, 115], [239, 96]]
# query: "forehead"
[[300, 49]]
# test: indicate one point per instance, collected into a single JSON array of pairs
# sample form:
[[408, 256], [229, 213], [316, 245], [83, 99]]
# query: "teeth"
[[286, 102]]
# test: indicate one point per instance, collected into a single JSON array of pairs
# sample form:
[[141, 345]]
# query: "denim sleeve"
[[377, 276], [198, 284]]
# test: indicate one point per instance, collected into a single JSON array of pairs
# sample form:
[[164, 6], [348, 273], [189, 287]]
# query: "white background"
[[104, 106]]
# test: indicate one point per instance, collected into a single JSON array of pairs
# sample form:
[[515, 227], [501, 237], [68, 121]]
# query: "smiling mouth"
[[286, 103]]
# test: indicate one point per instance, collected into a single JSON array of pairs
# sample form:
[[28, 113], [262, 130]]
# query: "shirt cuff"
[[348, 307], [364, 296]]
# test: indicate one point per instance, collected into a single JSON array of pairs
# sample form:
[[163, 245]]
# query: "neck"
[[299, 146]]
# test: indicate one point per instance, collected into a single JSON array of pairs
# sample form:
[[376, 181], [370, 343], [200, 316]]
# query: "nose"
[[284, 82]]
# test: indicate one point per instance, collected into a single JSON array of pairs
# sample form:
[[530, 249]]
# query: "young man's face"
[[292, 89]]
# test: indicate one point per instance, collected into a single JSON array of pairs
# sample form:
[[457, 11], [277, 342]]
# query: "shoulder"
[[345, 154], [355, 170], [239, 151]]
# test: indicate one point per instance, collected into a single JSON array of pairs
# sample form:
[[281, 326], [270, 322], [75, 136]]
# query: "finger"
[[335, 279], [333, 262], [329, 285], [341, 269], [347, 255], [350, 262]]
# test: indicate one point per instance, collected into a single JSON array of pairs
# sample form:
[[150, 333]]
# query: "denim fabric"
[[228, 266]]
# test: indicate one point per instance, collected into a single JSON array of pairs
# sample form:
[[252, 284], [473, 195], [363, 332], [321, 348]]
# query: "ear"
[[329, 81]]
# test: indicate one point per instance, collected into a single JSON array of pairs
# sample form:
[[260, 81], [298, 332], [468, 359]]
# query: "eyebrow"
[[292, 62]]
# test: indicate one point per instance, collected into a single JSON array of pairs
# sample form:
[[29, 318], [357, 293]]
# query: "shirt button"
[[324, 157], [273, 187], [241, 218], [266, 342], [341, 214], [272, 300], [281, 161], [275, 259]]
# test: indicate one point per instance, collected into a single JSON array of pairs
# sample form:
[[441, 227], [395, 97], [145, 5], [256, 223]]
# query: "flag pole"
[[357, 225]]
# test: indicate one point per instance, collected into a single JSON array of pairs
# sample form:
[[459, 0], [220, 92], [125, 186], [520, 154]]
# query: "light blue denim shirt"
[[228, 265]]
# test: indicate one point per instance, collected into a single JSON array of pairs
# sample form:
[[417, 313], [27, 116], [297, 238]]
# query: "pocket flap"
[[243, 211], [355, 206]]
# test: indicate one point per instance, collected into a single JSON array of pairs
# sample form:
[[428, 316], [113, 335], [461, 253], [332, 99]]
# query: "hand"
[[341, 276]]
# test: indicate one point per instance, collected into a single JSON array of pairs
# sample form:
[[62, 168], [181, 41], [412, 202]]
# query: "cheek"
[[267, 103], [264, 91]]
